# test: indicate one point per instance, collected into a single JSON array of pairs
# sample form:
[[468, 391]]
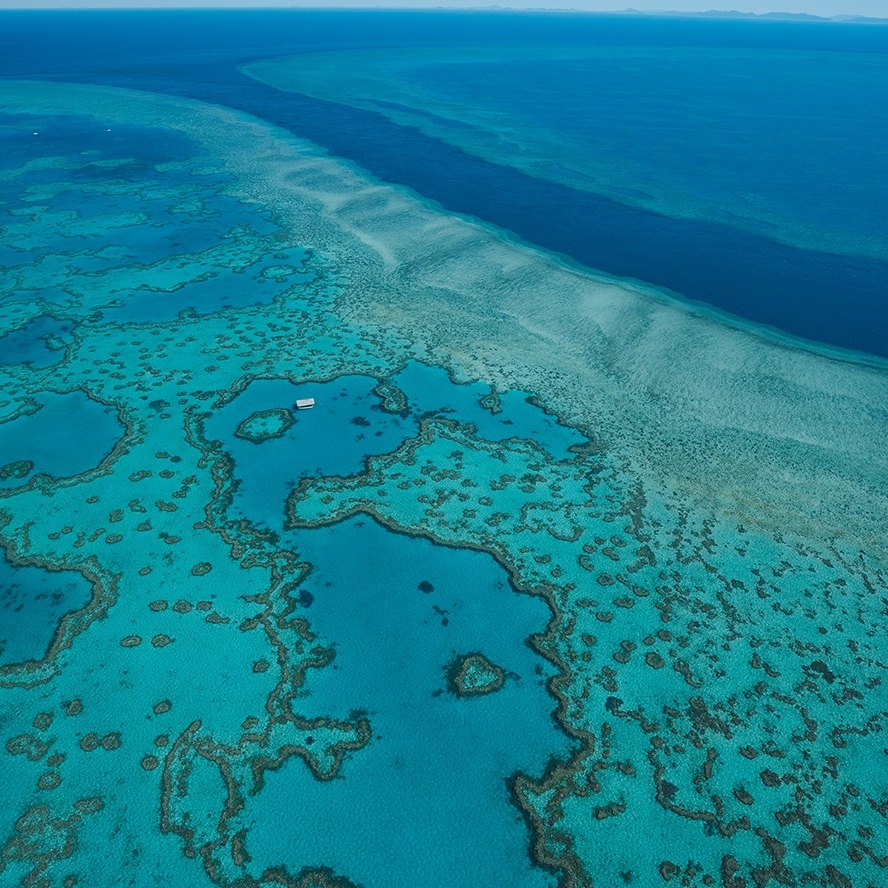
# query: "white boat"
[[305, 403]]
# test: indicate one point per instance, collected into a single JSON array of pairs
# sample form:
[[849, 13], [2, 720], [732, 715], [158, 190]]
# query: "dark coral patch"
[[473, 675]]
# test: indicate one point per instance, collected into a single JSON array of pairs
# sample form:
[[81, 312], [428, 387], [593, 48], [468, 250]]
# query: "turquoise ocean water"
[[575, 574]]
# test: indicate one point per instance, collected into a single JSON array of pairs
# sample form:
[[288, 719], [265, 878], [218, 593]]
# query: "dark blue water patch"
[[793, 135], [333, 438], [227, 288], [73, 44], [69, 434], [419, 112], [433, 778], [69, 136], [164, 179], [172, 231], [32, 602], [430, 392], [51, 241], [10, 257], [40, 343], [838, 300], [51, 297], [193, 207]]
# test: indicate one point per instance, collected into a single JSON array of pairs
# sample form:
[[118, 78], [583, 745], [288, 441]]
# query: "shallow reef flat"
[[562, 582]]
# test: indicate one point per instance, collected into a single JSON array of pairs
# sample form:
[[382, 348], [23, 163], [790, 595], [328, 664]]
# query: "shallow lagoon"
[[66, 435], [433, 781], [41, 343], [34, 601]]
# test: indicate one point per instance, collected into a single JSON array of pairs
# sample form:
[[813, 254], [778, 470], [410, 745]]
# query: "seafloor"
[[561, 581]]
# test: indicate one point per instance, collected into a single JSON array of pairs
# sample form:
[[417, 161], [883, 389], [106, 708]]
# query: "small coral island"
[[19, 469], [471, 675], [265, 424]]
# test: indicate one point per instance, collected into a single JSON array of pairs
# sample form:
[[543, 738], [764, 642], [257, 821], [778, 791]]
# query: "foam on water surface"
[[683, 542]]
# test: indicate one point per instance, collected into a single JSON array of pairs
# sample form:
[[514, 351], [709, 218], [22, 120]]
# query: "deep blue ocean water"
[[816, 294]]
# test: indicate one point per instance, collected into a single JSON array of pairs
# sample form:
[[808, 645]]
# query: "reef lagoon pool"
[[575, 574]]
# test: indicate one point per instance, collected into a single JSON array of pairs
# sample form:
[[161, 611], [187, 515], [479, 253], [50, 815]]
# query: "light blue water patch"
[[51, 297], [333, 438], [426, 803], [187, 212], [430, 392], [40, 343], [32, 601], [69, 434], [225, 288], [348, 424], [151, 218]]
